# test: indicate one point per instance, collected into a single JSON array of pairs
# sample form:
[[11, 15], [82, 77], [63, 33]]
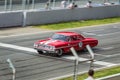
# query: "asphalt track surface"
[[32, 66]]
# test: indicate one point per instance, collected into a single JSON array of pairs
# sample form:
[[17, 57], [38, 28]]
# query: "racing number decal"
[[80, 44]]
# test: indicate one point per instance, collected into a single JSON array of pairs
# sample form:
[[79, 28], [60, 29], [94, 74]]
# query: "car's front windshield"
[[60, 37]]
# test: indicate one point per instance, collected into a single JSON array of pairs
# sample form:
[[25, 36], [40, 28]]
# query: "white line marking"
[[23, 34], [70, 57], [107, 64], [89, 33], [97, 30], [115, 27], [67, 57], [108, 77], [112, 55], [108, 34], [102, 55], [92, 32], [17, 47], [107, 48]]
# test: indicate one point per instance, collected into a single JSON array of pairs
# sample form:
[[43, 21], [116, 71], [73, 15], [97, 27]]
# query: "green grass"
[[98, 74], [74, 24]]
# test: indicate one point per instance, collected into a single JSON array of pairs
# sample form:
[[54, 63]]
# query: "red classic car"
[[61, 42]]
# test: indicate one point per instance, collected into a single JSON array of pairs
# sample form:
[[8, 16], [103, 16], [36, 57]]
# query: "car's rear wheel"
[[59, 52], [39, 52]]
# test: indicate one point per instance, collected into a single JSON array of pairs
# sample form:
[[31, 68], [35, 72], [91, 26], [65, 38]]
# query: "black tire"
[[59, 52], [40, 52]]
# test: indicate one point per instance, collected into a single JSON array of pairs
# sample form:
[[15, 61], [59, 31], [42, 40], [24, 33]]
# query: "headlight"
[[52, 48], [35, 45]]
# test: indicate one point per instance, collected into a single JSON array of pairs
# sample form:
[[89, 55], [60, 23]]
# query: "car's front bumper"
[[46, 51]]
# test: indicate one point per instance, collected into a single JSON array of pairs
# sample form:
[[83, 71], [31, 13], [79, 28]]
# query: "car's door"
[[75, 42]]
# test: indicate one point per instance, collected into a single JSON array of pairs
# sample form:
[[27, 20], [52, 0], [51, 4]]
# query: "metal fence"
[[13, 5]]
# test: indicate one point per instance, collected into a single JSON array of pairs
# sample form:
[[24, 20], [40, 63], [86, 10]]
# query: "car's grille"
[[44, 46]]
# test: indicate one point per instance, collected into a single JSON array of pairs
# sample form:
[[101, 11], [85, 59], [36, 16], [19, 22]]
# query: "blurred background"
[[14, 5]]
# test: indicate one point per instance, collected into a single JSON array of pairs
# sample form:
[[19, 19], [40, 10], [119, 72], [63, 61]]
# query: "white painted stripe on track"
[[112, 55], [89, 33], [107, 48], [107, 77], [22, 34], [108, 34], [107, 64], [17, 47], [67, 57]]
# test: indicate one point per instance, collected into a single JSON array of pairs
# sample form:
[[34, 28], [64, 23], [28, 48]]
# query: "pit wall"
[[29, 18], [10, 19]]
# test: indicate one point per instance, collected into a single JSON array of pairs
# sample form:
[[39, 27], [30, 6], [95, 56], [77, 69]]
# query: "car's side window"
[[79, 38], [68, 39], [74, 38]]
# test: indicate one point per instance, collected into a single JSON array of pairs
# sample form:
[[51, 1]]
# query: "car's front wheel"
[[59, 52], [39, 52]]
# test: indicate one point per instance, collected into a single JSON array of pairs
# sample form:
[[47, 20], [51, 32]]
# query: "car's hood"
[[52, 42]]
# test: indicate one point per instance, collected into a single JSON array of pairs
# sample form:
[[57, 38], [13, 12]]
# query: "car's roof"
[[68, 33]]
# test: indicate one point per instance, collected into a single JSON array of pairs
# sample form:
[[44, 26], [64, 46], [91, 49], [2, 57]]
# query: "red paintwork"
[[66, 45]]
